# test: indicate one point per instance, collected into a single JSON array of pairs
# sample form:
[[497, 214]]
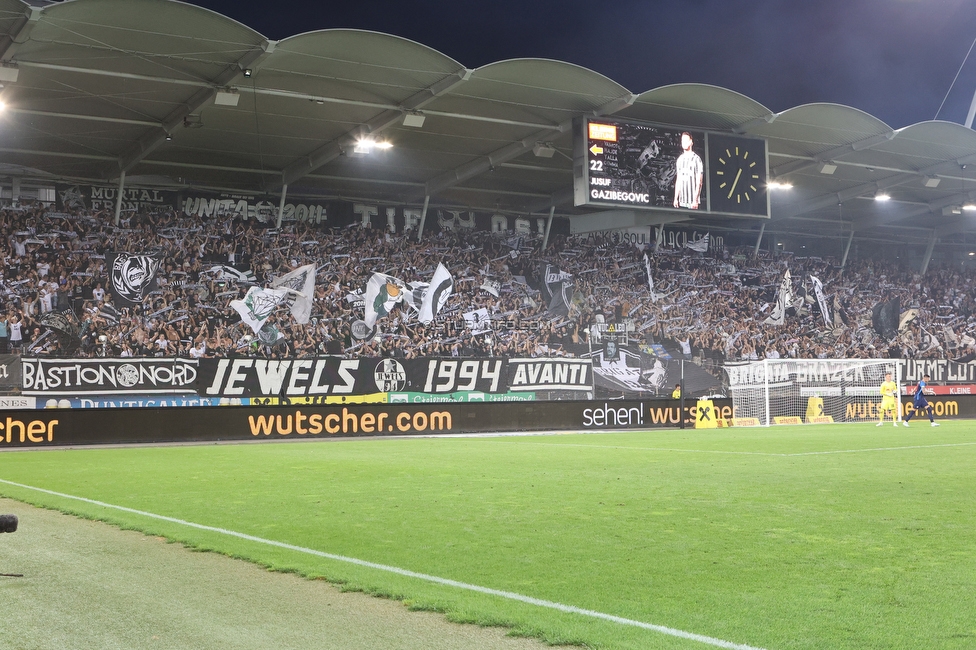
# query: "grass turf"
[[843, 536]]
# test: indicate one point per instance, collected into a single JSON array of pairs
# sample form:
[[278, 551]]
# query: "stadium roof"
[[171, 92]]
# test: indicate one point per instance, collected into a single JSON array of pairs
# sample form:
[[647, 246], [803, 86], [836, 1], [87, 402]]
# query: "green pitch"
[[838, 536]]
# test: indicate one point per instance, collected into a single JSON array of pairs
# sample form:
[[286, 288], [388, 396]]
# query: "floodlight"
[[366, 145], [9, 73], [779, 185], [881, 196], [969, 207], [543, 150], [932, 181], [247, 72], [415, 120], [827, 168], [227, 98]]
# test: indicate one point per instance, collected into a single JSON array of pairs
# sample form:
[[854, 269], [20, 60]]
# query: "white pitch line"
[[855, 451], [751, 453], [625, 447], [569, 609]]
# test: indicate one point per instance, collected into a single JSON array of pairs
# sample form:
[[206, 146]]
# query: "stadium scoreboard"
[[631, 164]]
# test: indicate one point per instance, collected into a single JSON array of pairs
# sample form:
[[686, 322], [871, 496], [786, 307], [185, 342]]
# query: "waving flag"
[[821, 299], [301, 282], [230, 274], [440, 289], [783, 299], [557, 291], [478, 321], [382, 293], [132, 276], [699, 245], [258, 305]]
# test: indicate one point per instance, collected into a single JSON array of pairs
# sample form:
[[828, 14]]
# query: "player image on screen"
[[689, 175], [919, 403], [888, 403], [642, 165]]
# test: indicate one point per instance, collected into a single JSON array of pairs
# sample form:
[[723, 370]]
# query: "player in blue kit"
[[919, 403]]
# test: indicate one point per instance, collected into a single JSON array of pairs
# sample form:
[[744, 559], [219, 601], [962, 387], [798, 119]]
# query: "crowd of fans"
[[709, 306]]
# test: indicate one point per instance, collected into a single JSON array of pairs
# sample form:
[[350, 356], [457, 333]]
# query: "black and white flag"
[[109, 314], [301, 282], [821, 300], [784, 299], [440, 289], [132, 276], [491, 286], [699, 245], [478, 321], [650, 278], [557, 291], [230, 274]]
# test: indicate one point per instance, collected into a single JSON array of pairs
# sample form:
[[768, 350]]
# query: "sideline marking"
[[854, 451], [570, 609], [752, 453]]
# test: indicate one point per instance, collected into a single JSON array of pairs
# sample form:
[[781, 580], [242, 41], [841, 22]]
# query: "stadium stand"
[[709, 307]]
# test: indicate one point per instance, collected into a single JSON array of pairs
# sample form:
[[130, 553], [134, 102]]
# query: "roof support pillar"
[[928, 252], [423, 218], [847, 249], [972, 113], [545, 239], [281, 206], [15, 191], [118, 198], [755, 251]]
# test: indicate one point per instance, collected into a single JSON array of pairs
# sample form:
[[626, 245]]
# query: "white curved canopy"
[[105, 86]]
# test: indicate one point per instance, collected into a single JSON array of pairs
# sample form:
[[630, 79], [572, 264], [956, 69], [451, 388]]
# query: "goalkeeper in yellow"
[[888, 401]]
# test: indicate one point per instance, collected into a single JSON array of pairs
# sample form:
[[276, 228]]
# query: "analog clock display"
[[737, 175]]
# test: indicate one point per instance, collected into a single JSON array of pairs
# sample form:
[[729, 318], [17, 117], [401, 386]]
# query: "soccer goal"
[[794, 391]]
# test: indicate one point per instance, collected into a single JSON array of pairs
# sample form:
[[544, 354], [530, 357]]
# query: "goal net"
[[791, 391]]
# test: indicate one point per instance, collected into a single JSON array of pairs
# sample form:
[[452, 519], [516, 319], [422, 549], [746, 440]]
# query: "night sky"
[[895, 59]]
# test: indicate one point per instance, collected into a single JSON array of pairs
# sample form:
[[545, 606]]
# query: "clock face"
[[737, 175]]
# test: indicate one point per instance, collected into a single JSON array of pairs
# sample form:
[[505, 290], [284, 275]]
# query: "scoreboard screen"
[[638, 165]]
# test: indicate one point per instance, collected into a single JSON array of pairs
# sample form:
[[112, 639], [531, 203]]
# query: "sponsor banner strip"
[[82, 426]]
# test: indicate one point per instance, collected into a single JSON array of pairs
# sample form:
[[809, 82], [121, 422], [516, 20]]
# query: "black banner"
[[103, 197], [52, 377], [132, 276], [10, 372], [941, 371], [262, 208], [394, 219], [622, 371], [884, 318], [248, 377]]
